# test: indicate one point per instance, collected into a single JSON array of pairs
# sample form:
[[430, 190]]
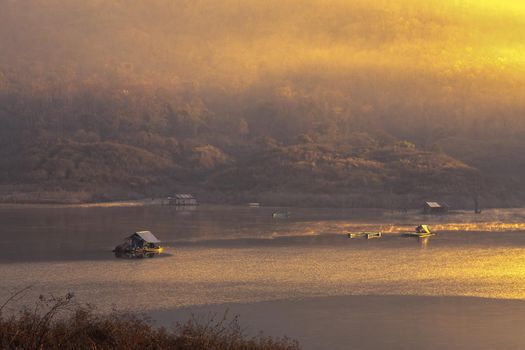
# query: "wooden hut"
[[183, 199], [140, 241], [434, 208]]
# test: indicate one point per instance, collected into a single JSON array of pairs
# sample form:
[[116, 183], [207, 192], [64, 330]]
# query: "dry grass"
[[60, 323]]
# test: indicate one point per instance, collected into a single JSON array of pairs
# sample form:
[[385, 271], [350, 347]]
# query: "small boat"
[[281, 215], [355, 235], [140, 243], [421, 231]]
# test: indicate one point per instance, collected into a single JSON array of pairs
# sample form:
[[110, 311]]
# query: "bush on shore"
[[59, 323]]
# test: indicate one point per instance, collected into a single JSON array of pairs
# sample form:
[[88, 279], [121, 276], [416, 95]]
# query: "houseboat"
[[141, 242]]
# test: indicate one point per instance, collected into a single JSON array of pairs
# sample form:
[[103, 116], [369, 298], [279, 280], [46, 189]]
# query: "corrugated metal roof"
[[433, 204], [147, 236], [184, 196]]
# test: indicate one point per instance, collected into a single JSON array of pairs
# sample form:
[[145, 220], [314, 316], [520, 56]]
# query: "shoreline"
[[20, 195], [109, 204], [375, 321], [156, 201]]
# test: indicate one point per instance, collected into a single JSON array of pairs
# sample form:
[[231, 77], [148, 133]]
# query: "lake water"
[[301, 276]]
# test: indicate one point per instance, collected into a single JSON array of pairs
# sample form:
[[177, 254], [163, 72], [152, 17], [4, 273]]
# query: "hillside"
[[143, 154], [100, 145], [327, 103]]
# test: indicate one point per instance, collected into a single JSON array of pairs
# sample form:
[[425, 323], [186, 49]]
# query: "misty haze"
[[336, 172]]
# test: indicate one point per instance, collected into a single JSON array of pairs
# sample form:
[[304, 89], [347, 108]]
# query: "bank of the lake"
[[378, 321]]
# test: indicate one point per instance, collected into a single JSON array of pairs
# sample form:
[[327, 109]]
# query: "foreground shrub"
[[59, 323]]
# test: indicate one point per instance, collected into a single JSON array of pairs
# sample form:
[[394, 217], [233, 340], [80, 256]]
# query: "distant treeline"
[[114, 143]]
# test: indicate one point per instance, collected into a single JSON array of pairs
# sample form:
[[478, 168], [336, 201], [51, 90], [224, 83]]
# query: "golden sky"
[[438, 48]]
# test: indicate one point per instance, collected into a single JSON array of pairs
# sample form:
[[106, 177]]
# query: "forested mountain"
[[319, 102]]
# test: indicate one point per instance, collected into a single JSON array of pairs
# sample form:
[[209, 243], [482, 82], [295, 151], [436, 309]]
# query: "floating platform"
[[372, 235], [419, 234], [367, 235]]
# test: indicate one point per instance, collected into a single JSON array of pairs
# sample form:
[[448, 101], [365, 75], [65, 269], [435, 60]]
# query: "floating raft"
[[419, 234], [281, 215], [367, 235], [371, 235]]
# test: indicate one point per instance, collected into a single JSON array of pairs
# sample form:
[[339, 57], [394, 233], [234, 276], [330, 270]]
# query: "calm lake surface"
[[302, 276]]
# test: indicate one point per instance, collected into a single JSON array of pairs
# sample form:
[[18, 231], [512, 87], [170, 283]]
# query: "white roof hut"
[[183, 199], [147, 236], [434, 208], [139, 241]]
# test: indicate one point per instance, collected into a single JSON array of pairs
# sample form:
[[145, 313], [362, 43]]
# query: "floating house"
[[183, 199], [434, 208], [140, 241]]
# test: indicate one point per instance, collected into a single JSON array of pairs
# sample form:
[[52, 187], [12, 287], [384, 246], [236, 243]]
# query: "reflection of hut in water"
[[183, 199], [185, 209], [435, 208]]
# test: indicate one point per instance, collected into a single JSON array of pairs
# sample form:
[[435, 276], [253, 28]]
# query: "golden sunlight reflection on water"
[[231, 254], [344, 226], [198, 276]]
